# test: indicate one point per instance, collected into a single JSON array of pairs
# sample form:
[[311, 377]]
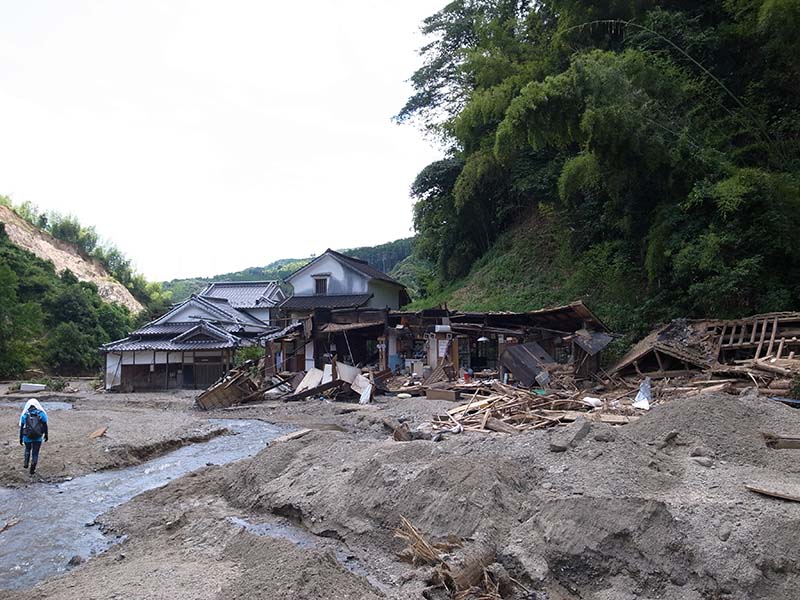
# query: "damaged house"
[[340, 306], [521, 344], [685, 347], [193, 344]]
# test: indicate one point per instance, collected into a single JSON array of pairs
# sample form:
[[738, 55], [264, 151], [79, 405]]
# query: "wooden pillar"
[[166, 373], [194, 370]]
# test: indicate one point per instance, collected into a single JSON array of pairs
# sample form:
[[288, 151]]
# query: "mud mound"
[[338, 486], [730, 426], [587, 541], [289, 572]]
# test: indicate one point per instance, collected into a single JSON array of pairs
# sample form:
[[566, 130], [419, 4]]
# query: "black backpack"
[[33, 425]]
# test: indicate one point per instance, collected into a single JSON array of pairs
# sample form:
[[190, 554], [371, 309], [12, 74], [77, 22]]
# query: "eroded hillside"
[[64, 256]]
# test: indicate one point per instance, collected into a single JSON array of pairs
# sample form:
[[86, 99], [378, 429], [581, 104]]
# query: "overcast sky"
[[204, 137]]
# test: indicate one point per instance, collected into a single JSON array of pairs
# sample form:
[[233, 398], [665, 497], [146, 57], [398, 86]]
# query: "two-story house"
[[344, 302]]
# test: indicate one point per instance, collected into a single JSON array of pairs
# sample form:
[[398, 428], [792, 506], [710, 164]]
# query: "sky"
[[204, 137]]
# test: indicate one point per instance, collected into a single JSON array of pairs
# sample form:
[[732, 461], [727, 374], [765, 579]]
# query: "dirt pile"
[[653, 509]]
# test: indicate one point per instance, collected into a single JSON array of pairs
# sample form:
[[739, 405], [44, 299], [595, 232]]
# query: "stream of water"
[[56, 521]]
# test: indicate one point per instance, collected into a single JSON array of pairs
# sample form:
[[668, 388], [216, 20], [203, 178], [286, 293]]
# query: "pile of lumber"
[[235, 386], [506, 409]]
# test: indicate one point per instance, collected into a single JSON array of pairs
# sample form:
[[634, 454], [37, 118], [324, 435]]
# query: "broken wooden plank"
[[312, 379], [434, 394], [781, 442], [497, 425], [291, 436], [773, 493], [97, 433], [325, 387]]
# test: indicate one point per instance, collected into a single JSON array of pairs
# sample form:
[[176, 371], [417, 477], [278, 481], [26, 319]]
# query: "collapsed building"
[[491, 344], [683, 347]]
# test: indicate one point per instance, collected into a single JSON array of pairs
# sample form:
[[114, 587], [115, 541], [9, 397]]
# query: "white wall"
[[341, 279], [309, 351], [262, 314], [113, 370], [185, 313], [384, 294]]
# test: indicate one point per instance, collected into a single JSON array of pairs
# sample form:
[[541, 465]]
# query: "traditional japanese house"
[[193, 344]]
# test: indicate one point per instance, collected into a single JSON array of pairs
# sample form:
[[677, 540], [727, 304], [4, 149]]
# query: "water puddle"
[[47, 406], [55, 520]]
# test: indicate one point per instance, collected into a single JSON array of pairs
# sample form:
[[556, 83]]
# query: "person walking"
[[32, 430]]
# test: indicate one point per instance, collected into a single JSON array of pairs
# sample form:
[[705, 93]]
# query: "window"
[[321, 286]]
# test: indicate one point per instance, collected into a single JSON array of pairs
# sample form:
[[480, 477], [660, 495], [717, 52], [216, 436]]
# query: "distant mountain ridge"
[[384, 257]]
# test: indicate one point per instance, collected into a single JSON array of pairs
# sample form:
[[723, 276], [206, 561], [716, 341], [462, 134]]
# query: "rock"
[[703, 461], [606, 434], [667, 440], [120, 557], [75, 561], [547, 485], [725, 531], [595, 454], [568, 437], [701, 451]]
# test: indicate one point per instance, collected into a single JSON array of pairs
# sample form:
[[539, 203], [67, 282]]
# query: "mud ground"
[[653, 509], [140, 426]]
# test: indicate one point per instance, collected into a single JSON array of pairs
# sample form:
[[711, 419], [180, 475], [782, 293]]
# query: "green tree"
[[70, 351], [20, 323]]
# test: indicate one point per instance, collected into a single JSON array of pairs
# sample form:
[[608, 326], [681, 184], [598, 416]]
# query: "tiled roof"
[[312, 302], [177, 336], [136, 344], [225, 313], [175, 328], [363, 267], [356, 264], [245, 294]]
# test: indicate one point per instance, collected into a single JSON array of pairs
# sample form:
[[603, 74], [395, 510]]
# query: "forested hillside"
[[51, 320], [642, 155]]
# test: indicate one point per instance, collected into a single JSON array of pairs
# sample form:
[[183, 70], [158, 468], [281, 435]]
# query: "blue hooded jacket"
[[23, 419]]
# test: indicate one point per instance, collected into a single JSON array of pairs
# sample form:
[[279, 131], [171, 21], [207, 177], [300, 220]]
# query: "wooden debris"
[[291, 436], [419, 550], [97, 433], [438, 394], [230, 389], [512, 410], [773, 493], [779, 442], [9, 524]]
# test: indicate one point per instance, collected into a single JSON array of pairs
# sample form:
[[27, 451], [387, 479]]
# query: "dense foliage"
[[85, 239], [51, 320], [658, 140]]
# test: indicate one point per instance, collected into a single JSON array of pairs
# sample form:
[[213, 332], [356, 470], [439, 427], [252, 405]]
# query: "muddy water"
[[56, 520]]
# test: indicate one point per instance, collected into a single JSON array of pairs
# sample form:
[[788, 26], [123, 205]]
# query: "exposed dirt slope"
[[64, 256]]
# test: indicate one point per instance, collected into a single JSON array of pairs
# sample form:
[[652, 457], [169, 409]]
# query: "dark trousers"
[[32, 451]]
